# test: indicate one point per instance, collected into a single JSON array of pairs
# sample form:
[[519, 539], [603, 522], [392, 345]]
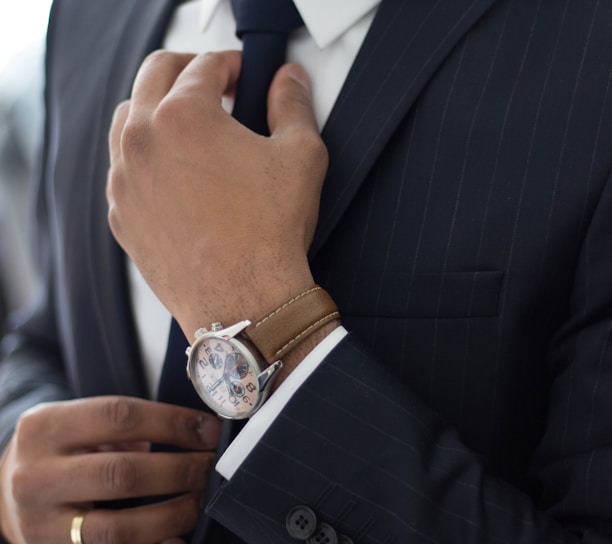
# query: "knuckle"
[[33, 423], [159, 56], [115, 197], [121, 110], [134, 140], [169, 112], [114, 221], [120, 475], [23, 485], [182, 427], [214, 59], [27, 427], [121, 413]]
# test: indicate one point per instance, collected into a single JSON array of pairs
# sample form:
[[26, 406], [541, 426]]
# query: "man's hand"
[[217, 218], [66, 456]]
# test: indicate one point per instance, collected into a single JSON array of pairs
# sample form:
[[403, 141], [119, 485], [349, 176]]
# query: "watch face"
[[225, 375]]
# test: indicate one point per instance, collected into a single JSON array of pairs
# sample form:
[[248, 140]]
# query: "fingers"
[[210, 75], [141, 525], [154, 79], [86, 423], [290, 102], [113, 476], [156, 76], [148, 524], [164, 73]]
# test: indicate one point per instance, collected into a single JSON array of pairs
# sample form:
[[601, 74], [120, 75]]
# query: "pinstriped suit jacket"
[[466, 235]]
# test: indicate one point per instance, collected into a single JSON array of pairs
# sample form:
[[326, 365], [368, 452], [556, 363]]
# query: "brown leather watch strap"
[[281, 330]]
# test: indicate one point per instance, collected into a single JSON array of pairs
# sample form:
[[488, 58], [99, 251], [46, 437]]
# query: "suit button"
[[301, 522], [343, 539], [325, 534]]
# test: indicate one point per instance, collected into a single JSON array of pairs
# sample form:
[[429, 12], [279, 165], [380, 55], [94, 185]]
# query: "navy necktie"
[[264, 27]]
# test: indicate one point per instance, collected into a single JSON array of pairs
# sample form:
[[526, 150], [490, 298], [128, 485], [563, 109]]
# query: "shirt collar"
[[326, 20]]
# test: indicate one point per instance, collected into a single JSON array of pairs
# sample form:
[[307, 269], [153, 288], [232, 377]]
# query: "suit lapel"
[[143, 32], [406, 44], [116, 34]]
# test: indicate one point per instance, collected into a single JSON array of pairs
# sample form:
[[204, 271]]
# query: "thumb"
[[290, 102]]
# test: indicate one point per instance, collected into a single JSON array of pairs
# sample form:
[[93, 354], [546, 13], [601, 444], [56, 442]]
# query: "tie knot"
[[265, 16]]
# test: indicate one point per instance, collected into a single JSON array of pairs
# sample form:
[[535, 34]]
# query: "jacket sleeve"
[[31, 370], [373, 461], [31, 367]]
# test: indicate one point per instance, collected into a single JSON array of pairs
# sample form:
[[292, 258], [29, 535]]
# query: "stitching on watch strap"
[[284, 327], [316, 324], [288, 303]]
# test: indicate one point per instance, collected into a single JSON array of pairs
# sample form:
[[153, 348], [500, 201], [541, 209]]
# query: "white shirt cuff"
[[252, 432]]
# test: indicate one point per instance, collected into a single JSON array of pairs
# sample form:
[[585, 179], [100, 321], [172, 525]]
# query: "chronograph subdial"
[[236, 366]]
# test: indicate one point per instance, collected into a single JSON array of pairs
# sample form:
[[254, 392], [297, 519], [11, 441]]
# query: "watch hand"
[[217, 383], [227, 384]]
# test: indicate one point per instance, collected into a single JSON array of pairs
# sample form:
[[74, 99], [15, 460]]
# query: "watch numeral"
[[250, 387]]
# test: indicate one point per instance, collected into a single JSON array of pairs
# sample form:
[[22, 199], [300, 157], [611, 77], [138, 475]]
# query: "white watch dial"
[[225, 376]]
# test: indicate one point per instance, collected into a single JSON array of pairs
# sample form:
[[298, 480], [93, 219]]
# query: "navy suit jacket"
[[465, 233]]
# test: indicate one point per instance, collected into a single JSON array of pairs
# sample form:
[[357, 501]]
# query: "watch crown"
[[216, 326], [200, 332], [188, 351]]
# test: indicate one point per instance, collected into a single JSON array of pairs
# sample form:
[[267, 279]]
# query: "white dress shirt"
[[326, 47]]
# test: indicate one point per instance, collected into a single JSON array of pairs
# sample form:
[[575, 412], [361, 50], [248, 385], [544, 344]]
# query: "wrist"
[[234, 367], [249, 296]]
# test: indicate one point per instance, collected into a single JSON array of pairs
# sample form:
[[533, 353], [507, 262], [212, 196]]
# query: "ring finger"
[[140, 525], [111, 476]]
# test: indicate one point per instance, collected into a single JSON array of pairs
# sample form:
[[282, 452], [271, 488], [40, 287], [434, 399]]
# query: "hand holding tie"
[[217, 217]]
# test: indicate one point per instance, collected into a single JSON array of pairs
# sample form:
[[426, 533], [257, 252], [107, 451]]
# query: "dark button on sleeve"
[[301, 522], [325, 534]]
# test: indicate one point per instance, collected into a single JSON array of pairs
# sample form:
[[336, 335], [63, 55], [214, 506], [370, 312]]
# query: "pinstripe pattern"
[[465, 235], [499, 166]]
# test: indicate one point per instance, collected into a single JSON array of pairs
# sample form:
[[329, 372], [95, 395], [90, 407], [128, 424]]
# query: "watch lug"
[[233, 330], [267, 376]]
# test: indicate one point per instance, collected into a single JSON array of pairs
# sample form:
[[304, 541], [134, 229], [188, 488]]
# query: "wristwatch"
[[232, 368]]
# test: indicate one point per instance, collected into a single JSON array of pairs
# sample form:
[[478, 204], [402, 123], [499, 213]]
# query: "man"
[[463, 232]]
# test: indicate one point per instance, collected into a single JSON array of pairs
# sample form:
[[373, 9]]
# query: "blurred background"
[[22, 30]]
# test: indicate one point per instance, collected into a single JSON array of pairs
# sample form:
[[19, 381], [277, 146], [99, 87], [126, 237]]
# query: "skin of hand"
[[217, 218], [66, 456]]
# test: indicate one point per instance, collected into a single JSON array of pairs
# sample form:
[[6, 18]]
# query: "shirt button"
[[325, 534], [301, 522]]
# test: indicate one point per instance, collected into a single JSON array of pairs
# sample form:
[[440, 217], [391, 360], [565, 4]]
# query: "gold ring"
[[76, 528]]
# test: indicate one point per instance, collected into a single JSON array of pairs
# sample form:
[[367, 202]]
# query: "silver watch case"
[[228, 372]]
